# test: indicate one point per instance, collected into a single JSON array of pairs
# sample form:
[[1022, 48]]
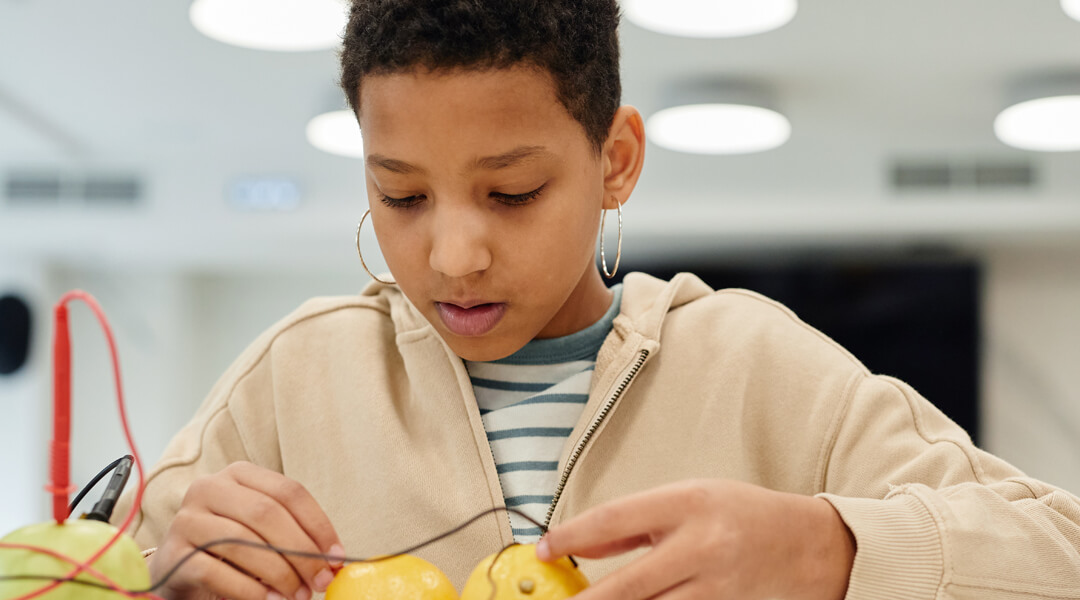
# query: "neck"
[[585, 306]]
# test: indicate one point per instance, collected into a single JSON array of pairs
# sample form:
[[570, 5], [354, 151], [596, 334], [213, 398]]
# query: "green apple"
[[78, 539]]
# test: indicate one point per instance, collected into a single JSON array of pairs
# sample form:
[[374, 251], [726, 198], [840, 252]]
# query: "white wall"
[[24, 402], [235, 307], [1031, 357]]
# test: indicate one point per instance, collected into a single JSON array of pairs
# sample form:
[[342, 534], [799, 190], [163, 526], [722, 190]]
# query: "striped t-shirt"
[[530, 402]]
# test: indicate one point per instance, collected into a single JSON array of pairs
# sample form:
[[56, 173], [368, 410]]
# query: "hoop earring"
[[361, 254], [618, 251]]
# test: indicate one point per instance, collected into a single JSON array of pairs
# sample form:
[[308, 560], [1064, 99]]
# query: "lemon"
[[403, 577], [519, 575]]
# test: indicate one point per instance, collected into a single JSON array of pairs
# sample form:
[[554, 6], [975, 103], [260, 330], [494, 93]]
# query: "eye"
[[518, 199], [406, 202]]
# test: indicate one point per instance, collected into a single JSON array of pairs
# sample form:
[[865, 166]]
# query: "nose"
[[459, 243]]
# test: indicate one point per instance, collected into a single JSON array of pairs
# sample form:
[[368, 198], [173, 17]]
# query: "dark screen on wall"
[[14, 333], [918, 322]]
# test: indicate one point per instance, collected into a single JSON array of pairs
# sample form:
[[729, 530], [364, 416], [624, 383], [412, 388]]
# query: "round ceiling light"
[[710, 18], [1046, 124], [718, 129], [1072, 8], [284, 25], [336, 132]]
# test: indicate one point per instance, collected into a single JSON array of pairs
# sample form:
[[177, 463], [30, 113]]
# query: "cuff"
[[898, 553]]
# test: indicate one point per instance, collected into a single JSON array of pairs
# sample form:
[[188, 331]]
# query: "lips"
[[472, 320]]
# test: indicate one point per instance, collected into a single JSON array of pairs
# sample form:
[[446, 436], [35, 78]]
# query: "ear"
[[623, 155]]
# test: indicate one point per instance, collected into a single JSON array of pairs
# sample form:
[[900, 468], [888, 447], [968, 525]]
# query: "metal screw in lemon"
[[519, 575]]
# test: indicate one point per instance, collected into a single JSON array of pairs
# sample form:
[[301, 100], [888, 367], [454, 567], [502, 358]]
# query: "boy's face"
[[485, 195]]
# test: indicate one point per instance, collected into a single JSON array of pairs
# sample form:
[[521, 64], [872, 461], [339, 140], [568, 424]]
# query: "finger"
[[261, 564], [206, 573], [296, 499], [613, 548], [273, 523], [620, 522], [646, 577], [687, 590]]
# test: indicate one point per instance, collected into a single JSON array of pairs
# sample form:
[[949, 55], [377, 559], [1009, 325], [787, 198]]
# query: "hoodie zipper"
[[580, 447], [502, 494]]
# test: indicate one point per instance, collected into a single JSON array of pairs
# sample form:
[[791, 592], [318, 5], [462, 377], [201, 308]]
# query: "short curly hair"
[[576, 41]]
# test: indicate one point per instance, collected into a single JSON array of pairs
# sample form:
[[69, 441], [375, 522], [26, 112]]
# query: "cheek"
[[576, 235], [401, 240], [556, 245], [577, 221]]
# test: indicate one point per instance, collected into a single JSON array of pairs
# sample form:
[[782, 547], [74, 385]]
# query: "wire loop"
[[361, 254], [618, 251]]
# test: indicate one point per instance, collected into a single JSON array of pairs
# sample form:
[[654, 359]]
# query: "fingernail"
[[543, 551], [338, 554], [274, 596], [303, 594], [323, 579]]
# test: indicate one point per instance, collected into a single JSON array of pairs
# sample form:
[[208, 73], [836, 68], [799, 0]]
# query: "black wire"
[[491, 571], [286, 552], [103, 509], [86, 489]]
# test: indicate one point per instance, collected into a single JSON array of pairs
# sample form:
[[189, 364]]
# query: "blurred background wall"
[[133, 148]]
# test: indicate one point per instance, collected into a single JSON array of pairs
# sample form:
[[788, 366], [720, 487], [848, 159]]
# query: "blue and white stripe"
[[527, 425], [530, 403]]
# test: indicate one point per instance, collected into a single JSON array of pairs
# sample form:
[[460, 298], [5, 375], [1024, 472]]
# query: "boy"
[[706, 444]]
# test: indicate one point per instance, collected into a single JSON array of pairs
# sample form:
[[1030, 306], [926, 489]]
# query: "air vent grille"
[[961, 176], [111, 189], [33, 189], [54, 188]]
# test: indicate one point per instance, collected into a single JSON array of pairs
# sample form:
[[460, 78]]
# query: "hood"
[[646, 301]]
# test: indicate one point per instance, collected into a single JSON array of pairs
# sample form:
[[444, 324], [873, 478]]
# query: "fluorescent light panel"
[[336, 132], [1072, 8], [1045, 124], [718, 129], [710, 18], [282, 25]]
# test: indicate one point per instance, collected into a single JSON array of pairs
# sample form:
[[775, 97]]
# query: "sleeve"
[[235, 423], [935, 517]]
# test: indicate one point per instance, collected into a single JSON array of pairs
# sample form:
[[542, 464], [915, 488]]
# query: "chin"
[[481, 349]]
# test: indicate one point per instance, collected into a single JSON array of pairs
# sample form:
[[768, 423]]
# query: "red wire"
[[100, 314], [60, 447], [57, 555]]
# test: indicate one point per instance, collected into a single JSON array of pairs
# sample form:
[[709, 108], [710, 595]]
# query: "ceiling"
[[129, 87]]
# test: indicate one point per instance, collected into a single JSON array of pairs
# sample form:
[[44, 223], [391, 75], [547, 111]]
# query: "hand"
[[249, 502], [711, 539]]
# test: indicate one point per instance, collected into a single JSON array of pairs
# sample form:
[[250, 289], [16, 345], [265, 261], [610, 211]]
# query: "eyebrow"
[[512, 158], [515, 157], [393, 165]]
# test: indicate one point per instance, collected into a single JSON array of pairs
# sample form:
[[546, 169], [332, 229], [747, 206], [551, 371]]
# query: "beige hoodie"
[[360, 400]]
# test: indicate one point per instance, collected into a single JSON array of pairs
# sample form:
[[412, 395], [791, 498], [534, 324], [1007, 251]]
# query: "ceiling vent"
[[921, 176], [41, 188]]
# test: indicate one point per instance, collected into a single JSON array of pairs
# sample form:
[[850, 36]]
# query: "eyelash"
[[508, 199], [407, 202]]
